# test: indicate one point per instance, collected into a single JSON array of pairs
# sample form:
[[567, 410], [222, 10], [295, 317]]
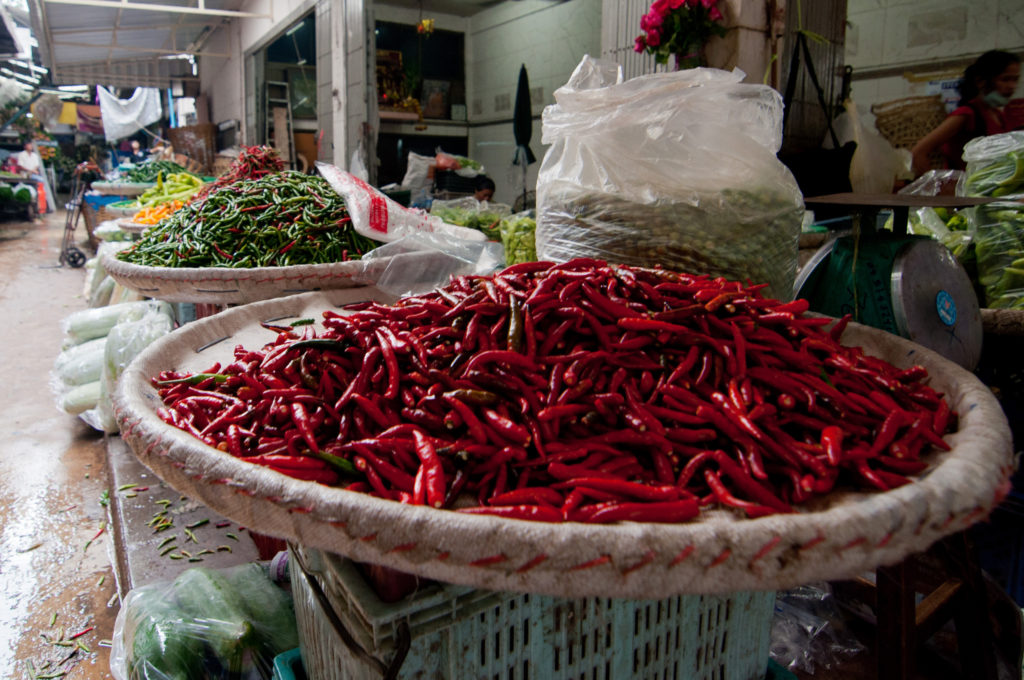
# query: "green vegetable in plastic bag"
[[23, 196], [469, 212], [518, 236]]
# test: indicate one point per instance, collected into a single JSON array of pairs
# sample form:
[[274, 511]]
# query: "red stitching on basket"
[[531, 564], [441, 557], [338, 525], [885, 540], [644, 561], [369, 537], [765, 549], [405, 547], [488, 561], [853, 544], [596, 562], [303, 510], [683, 555], [245, 492], [949, 520], [722, 557], [813, 542]]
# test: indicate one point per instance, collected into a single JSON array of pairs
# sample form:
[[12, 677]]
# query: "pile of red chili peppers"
[[575, 392], [253, 162]]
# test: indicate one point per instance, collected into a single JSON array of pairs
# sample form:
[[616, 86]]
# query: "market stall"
[[458, 432]]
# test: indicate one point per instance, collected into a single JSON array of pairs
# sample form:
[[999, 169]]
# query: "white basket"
[[445, 632], [841, 536]]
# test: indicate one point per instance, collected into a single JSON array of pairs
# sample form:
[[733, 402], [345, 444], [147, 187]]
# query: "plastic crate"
[[454, 632], [288, 666]]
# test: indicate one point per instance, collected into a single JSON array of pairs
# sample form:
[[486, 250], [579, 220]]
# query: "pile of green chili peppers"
[[282, 219]]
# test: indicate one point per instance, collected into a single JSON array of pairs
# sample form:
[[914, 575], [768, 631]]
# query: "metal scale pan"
[[911, 286]]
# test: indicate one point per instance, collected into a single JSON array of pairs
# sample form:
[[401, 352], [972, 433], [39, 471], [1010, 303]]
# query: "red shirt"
[[991, 124]]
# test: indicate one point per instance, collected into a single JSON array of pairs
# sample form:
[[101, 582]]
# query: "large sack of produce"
[[206, 623], [677, 169]]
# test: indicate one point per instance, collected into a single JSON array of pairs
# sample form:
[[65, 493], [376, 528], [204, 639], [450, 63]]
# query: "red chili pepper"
[[434, 478], [832, 443], [529, 496], [623, 488], [723, 496], [534, 513], [680, 510]]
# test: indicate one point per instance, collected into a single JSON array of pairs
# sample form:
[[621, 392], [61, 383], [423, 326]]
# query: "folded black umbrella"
[[522, 121]]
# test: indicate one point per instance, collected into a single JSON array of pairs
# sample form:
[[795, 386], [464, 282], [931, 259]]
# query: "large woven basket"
[[905, 121], [838, 538]]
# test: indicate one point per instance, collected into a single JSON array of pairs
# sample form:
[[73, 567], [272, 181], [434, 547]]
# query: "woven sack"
[[839, 537]]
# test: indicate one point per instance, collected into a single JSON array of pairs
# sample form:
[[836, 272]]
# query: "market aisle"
[[52, 474]]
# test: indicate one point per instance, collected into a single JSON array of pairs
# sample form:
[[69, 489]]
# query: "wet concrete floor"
[[56, 578]]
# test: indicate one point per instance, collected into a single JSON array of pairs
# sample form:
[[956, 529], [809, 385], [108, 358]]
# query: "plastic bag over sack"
[[673, 169], [417, 177], [376, 216], [995, 166], [213, 624]]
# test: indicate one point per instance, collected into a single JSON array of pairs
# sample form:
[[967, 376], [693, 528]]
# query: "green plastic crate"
[[454, 633], [288, 665]]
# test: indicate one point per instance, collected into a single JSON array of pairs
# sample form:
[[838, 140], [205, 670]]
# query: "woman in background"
[[986, 87]]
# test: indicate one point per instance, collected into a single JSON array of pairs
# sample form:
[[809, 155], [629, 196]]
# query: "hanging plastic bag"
[[876, 164], [357, 166], [417, 179], [673, 169]]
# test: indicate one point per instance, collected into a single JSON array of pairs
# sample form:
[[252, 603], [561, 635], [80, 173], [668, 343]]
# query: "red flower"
[[708, 4], [641, 44], [715, 15], [653, 38]]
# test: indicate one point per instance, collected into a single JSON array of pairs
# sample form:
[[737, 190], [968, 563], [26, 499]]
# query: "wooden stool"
[[949, 578]]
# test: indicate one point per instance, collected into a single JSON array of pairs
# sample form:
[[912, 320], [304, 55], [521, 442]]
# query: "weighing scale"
[[908, 285]]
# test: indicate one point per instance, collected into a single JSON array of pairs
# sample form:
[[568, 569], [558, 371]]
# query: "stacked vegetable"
[[280, 219], [581, 392], [179, 186], [149, 171]]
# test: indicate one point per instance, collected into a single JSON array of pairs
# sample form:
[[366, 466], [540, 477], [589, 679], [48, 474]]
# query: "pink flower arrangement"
[[679, 27]]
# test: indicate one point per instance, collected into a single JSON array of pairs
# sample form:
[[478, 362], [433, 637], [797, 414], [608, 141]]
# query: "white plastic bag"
[[124, 342], [417, 177], [376, 216], [675, 169], [876, 164]]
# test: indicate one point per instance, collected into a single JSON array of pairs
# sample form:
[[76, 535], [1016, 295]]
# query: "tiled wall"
[[896, 47], [550, 39]]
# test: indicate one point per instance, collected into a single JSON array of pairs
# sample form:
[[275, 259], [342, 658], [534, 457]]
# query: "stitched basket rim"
[[845, 535]]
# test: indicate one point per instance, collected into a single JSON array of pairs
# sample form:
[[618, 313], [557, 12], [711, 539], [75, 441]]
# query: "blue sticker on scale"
[[946, 308]]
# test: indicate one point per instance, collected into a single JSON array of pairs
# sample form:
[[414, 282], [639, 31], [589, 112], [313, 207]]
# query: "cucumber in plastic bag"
[[269, 607], [208, 598], [158, 641]]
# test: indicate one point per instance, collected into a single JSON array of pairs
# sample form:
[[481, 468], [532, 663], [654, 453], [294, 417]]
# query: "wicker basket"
[[905, 121]]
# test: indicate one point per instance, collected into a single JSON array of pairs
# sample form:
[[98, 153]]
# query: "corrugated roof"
[[126, 43]]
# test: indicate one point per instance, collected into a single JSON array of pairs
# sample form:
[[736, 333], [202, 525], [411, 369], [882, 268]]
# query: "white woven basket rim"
[[130, 225], [846, 535], [233, 285]]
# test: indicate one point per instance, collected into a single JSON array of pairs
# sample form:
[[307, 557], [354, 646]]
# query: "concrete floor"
[[52, 474]]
